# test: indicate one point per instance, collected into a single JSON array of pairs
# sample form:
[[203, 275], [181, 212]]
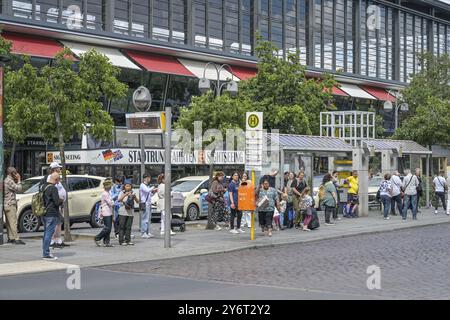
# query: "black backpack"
[[129, 204], [314, 224]]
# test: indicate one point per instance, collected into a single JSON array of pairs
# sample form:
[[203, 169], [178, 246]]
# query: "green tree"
[[428, 98], [63, 100]]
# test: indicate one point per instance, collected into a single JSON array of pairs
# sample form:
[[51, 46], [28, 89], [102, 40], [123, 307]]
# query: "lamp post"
[[204, 86], [142, 100], [388, 107]]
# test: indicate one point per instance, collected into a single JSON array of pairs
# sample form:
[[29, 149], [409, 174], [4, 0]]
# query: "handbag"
[[142, 205], [210, 197]]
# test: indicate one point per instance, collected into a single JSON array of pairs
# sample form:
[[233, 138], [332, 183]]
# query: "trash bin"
[[246, 197]]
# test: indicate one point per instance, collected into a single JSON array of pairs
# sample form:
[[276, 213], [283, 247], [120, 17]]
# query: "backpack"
[[314, 224], [129, 204], [321, 192], [37, 203]]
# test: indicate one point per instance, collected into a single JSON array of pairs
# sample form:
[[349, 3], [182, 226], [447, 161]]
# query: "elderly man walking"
[[12, 186]]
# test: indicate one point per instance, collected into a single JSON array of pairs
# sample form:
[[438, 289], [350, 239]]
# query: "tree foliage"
[[428, 98], [290, 102]]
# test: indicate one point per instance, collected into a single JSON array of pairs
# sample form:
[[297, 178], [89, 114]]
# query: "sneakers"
[[171, 233], [387, 218], [241, 230], [306, 229], [329, 224], [270, 232], [234, 231], [17, 242], [124, 244], [145, 236], [435, 212], [98, 243], [50, 257], [217, 228], [130, 243], [338, 219], [117, 236], [447, 213]]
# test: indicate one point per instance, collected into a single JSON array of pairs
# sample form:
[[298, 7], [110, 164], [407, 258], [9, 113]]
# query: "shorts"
[[353, 198]]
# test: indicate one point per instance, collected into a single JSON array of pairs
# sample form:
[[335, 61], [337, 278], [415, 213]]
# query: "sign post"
[[1, 155], [253, 150]]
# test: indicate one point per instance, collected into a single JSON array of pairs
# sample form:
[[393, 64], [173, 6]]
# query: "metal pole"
[[252, 230], [396, 115], [167, 179], [1, 155], [142, 143], [427, 193]]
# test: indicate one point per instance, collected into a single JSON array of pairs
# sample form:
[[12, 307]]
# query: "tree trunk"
[[67, 235], [11, 158]]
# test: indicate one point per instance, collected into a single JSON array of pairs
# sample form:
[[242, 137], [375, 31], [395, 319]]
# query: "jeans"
[[441, 195], [50, 226], [386, 201], [265, 219], [146, 219], [116, 219], [247, 218], [281, 219], [328, 212], [125, 224], [410, 199], [106, 231], [235, 213], [396, 200]]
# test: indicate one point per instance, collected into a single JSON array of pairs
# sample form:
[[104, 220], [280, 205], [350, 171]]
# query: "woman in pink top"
[[106, 206]]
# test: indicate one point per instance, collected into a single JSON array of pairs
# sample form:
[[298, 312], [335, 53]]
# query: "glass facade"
[[370, 38]]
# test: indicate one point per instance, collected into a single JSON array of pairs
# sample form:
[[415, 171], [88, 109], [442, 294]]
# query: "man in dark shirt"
[[51, 217], [271, 178]]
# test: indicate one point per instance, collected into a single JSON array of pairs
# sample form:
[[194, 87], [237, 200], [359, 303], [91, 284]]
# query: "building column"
[[357, 36], [310, 18], [361, 164], [396, 44], [430, 33], [387, 162], [109, 15]]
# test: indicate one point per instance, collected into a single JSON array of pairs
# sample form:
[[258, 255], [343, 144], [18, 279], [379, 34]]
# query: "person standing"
[[217, 206], [161, 204], [246, 215], [291, 185], [271, 177], [396, 198], [300, 185], [440, 189], [56, 241], [352, 196], [52, 215], [419, 187], [330, 198], [145, 206], [307, 204], [265, 213], [127, 199], [235, 212], [409, 186], [335, 179], [386, 194], [115, 191], [106, 208], [12, 186]]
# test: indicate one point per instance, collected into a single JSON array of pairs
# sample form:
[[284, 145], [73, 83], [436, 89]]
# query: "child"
[[126, 199], [276, 220], [307, 204], [283, 207], [106, 208]]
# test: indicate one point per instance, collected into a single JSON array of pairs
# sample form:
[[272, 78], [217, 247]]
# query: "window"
[[22, 9], [232, 26], [199, 13], [215, 25], [140, 14], [157, 85], [318, 33], [47, 10], [340, 34], [328, 30], [161, 20], [94, 15], [121, 17], [78, 184], [179, 22], [94, 183]]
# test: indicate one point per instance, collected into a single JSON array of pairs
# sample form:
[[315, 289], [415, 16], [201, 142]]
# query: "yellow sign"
[[253, 121]]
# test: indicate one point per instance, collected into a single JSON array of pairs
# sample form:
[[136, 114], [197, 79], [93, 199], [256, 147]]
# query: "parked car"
[[84, 193]]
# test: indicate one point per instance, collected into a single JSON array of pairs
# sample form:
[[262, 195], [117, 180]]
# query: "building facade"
[[371, 46]]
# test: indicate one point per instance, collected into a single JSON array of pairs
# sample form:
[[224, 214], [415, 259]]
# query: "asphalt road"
[[413, 264]]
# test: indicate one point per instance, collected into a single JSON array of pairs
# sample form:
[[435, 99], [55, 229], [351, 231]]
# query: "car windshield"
[[185, 185], [30, 186], [375, 181]]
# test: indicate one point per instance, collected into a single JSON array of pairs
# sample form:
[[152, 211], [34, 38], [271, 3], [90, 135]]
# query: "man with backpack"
[[51, 218], [12, 186]]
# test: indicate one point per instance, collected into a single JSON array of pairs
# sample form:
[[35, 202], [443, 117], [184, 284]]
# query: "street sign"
[[254, 141], [146, 122]]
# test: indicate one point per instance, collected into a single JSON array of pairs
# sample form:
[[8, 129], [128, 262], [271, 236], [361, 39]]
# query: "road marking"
[[10, 269]]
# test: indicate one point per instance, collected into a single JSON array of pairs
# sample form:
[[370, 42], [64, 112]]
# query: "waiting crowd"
[[291, 205]]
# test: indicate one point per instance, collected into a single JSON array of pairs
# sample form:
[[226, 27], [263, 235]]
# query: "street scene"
[[224, 150]]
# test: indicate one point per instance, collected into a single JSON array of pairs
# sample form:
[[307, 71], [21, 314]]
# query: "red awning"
[[159, 63], [33, 46], [244, 73], [335, 91], [379, 93]]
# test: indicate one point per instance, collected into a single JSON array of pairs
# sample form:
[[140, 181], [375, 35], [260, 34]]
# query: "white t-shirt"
[[439, 183], [396, 184], [61, 191]]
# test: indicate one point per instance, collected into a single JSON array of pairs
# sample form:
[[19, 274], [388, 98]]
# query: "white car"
[[84, 194]]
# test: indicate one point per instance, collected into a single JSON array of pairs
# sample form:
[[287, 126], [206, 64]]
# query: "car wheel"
[[95, 221], [192, 212], [28, 222]]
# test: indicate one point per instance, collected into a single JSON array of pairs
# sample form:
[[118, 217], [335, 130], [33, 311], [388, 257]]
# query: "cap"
[[55, 165], [127, 181], [107, 183]]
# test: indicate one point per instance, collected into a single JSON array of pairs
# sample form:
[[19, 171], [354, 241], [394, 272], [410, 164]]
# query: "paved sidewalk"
[[195, 241]]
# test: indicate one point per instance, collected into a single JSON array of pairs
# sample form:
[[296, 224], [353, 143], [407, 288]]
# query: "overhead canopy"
[[335, 91], [244, 73], [355, 91], [114, 55], [159, 63], [33, 46], [407, 146], [379, 93], [309, 143], [197, 68]]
